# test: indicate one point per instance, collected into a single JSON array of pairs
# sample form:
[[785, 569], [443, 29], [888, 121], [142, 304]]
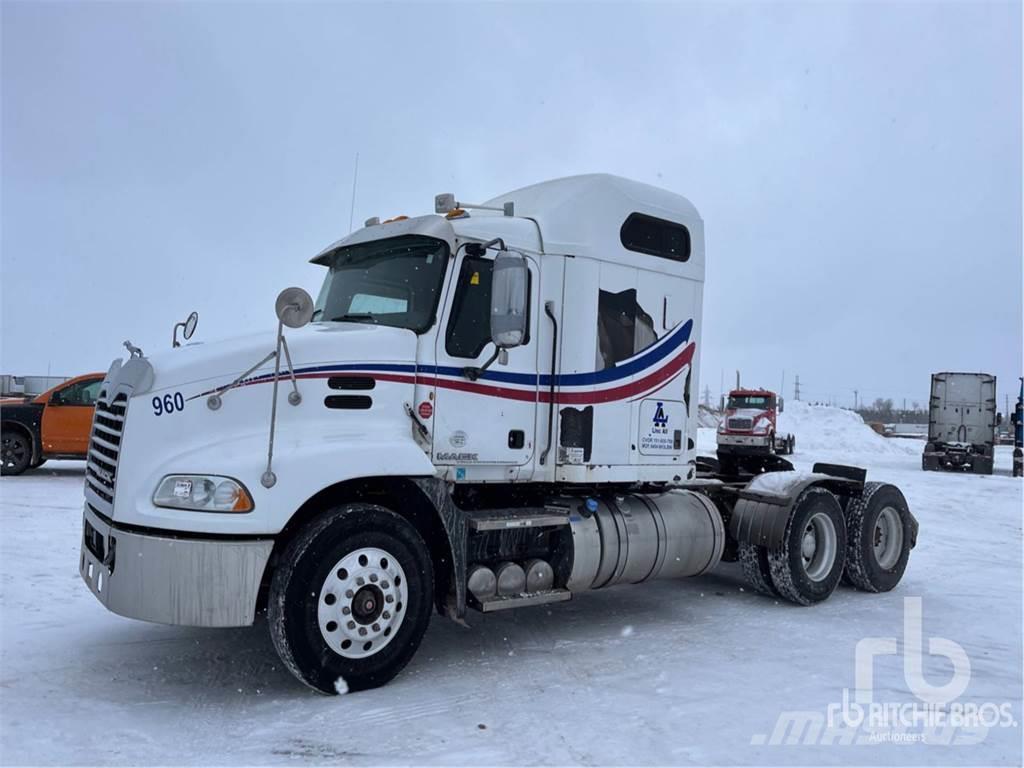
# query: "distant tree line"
[[885, 411]]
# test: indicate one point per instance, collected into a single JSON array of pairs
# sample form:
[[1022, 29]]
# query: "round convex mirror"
[[190, 325], [294, 307]]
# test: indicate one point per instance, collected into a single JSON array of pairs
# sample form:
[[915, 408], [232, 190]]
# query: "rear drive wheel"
[[15, 452], [879, 537], [349, 606], [807, 567], [756, 569]]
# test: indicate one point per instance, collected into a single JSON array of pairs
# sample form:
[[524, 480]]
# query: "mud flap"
[[764, 507]]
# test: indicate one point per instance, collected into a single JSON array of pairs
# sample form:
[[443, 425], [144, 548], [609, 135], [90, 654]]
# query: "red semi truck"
[[749, 427]]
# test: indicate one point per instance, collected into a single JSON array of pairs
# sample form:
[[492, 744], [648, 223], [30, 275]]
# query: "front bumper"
[[168, 580], [744, 444], [952, 459]]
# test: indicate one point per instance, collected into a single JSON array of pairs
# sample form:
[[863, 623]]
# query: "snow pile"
[[706, 417], [820, 428]]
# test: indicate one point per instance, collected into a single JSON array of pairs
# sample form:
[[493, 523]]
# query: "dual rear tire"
[[867, 545], [880, 533]]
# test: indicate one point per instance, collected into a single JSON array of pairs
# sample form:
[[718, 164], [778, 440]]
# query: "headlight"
[[202, 493], [761, 427]]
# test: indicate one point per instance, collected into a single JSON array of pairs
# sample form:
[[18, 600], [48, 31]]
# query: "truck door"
[[67, 417], [485, 427]]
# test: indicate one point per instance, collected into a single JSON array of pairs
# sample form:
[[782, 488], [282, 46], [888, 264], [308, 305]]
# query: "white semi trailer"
[[486, 408], [962, 421]]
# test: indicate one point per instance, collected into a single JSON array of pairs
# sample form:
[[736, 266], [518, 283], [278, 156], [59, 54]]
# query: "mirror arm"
[[174, 337], [473, 373], [479, 249]]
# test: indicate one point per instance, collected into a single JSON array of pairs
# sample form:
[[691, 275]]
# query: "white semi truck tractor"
[[486, 408]]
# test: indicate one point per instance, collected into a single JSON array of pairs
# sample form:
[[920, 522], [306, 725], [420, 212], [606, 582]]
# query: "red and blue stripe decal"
[[630, 379]]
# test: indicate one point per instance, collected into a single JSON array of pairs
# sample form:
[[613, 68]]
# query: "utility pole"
[[737, 379], [855, 399], [707, 396], [796, 388]]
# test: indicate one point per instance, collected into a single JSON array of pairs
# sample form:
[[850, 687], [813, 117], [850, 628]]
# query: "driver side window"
[[80, 393], [469, 327]]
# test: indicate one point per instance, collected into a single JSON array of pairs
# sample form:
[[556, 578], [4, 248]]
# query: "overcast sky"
[[858, 167]]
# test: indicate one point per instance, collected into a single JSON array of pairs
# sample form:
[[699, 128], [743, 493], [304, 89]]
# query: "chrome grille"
[[743, 423], [104, 448]]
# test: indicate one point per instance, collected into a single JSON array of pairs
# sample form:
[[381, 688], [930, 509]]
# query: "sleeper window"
[[623, 328]]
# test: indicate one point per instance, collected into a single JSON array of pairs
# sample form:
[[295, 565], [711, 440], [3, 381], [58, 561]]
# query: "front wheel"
[[15, 453], [350, 603]]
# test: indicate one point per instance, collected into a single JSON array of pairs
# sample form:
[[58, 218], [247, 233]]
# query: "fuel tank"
[[630, 538]]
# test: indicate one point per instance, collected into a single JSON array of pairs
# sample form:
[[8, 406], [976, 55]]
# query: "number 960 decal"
[[168, 404]]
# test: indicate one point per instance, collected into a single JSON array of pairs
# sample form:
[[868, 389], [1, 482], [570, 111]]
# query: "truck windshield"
[[750, 401], [393, 282]]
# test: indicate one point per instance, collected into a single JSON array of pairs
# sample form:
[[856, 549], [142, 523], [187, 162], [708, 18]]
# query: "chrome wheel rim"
[[887, 538], [362, 603], [818, 546]]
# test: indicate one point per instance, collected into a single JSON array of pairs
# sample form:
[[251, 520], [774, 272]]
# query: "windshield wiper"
[[353, 317]]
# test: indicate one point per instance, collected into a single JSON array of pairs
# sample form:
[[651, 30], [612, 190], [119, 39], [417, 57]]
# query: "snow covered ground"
[[695, 671]]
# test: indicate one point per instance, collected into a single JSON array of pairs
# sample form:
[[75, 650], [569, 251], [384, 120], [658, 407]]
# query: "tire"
[[879, 536], [756, 570], [15, 452], [354, 559], [808, 566]]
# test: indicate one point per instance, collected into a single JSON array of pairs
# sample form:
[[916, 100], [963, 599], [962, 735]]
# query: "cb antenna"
[[352, 207]]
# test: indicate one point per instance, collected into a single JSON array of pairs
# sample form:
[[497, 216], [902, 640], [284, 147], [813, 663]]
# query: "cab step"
[[506, 602], [506, 519]]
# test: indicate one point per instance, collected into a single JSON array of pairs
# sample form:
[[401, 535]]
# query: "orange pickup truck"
[[54, 425]]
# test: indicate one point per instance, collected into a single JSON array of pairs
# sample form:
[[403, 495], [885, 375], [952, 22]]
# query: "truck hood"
[[318, 344]]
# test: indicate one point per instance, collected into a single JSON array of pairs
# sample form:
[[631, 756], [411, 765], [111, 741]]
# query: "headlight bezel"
[[170, 493]]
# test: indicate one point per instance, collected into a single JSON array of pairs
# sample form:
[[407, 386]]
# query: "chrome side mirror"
[[294, 307], [510, 300], [187, 329], [190, 325]]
